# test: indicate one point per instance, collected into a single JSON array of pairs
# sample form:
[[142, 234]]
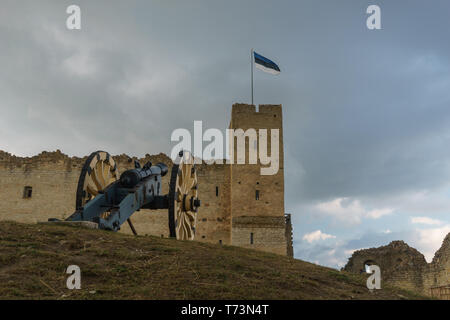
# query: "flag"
[[265, 64]]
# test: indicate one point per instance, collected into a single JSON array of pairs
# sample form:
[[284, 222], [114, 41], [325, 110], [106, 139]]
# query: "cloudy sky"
[[366, 113]]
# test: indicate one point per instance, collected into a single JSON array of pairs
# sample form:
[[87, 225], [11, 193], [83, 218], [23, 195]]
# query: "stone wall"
[[52, 176], [289, 235], [213, 218], [260, 233], [438, 274], [406, 267]]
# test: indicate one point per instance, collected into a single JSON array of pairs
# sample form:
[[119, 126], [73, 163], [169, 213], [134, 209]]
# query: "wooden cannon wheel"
[[183, 198], [98, 172]]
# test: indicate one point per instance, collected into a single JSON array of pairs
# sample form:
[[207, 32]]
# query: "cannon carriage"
[[109, 199]]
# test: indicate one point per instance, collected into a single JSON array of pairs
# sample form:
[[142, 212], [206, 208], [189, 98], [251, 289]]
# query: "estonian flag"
[[265, 64]]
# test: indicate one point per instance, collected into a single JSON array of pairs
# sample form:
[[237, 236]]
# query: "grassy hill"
[[33, 260]]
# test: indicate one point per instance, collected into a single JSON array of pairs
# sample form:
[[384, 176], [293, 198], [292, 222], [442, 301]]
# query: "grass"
[[34, 258]]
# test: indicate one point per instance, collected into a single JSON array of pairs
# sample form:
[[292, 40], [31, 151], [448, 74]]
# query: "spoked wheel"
[[98, 172], [183, 198]]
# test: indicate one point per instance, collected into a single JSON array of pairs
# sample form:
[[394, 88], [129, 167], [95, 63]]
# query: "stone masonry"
[[407, 268]]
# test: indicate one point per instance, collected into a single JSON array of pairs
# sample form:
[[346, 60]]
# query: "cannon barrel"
[[108, 199], [132, 177]]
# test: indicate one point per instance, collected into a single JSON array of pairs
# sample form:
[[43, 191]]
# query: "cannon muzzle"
[[130, 178], [164, 168]]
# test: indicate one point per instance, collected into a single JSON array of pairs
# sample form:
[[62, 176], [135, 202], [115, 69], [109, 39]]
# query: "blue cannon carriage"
[[109, 199]]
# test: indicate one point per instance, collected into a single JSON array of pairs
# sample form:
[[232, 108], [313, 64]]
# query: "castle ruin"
[[405, 267], [240, 207]]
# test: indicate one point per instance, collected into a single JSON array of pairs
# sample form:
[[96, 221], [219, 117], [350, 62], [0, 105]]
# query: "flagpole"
[[251, 67]]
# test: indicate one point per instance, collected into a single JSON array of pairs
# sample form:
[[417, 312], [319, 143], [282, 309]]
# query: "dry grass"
[[33, 260]]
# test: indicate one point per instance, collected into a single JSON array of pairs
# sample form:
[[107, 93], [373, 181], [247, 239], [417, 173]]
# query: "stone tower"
[[257, 201]]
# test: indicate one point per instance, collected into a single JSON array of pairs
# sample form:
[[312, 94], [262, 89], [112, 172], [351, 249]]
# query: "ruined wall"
[[400, 264], [406, 267], [258, 223], [438, 273]]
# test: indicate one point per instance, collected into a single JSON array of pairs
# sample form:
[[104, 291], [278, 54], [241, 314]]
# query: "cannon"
[[109, 199]]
